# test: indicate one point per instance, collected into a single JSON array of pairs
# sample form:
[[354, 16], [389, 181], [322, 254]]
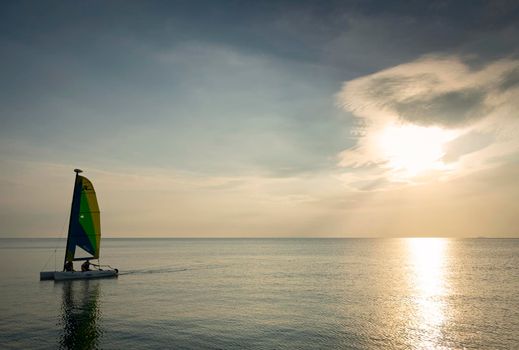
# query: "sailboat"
[[84, 231]]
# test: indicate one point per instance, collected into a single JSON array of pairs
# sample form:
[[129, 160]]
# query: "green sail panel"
[[89, 217], [85, 226]]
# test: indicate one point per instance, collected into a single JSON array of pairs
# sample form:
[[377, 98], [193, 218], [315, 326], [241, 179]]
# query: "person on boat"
[[69, 266], [85, 266]]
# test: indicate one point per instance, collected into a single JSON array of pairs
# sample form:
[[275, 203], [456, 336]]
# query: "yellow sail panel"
[[89, 217]]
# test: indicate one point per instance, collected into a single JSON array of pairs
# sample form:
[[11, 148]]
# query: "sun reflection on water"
[[427, 282]]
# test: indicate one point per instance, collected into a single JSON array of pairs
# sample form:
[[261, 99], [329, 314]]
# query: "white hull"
[[77, 275]]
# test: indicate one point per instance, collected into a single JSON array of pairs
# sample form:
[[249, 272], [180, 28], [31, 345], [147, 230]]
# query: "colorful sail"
[[84, 227]]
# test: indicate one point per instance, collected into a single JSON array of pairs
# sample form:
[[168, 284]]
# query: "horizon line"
[[271, 237]]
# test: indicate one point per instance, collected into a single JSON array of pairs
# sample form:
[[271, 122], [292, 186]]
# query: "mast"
[[77, 171]]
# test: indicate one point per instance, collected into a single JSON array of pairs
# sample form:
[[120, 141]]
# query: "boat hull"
[[77, 275], [47, 275]]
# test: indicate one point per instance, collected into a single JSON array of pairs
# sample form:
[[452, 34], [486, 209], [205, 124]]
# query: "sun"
[[410, 150]]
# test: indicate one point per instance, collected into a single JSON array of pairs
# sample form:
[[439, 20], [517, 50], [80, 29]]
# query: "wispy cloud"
[[472, 111]]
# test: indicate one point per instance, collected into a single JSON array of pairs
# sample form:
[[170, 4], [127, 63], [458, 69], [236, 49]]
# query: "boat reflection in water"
[[80, 315], [427, 262]]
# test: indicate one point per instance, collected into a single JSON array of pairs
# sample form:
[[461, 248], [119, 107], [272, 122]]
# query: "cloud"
[[449, 109], [465, 144], [473, 110]]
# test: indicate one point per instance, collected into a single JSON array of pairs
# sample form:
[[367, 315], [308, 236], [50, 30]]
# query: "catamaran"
[[84, 231]]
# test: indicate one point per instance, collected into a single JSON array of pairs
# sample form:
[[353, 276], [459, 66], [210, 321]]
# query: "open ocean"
[[267, 294]]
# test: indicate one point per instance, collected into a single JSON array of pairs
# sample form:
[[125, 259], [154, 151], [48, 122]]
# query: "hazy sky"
[[262, 118]]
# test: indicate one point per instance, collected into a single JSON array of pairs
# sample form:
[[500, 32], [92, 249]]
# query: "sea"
[[294, 293]]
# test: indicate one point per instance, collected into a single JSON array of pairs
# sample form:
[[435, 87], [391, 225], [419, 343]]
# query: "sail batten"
[[84, 227]]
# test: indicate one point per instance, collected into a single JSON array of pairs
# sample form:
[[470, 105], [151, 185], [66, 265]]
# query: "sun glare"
[[427, 259], [411, 150]]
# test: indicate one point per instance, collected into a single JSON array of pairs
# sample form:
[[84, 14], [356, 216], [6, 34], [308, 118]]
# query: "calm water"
[[267, 294]]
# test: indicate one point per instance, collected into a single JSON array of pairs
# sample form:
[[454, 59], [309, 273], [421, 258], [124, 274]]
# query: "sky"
[[262, 118]]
